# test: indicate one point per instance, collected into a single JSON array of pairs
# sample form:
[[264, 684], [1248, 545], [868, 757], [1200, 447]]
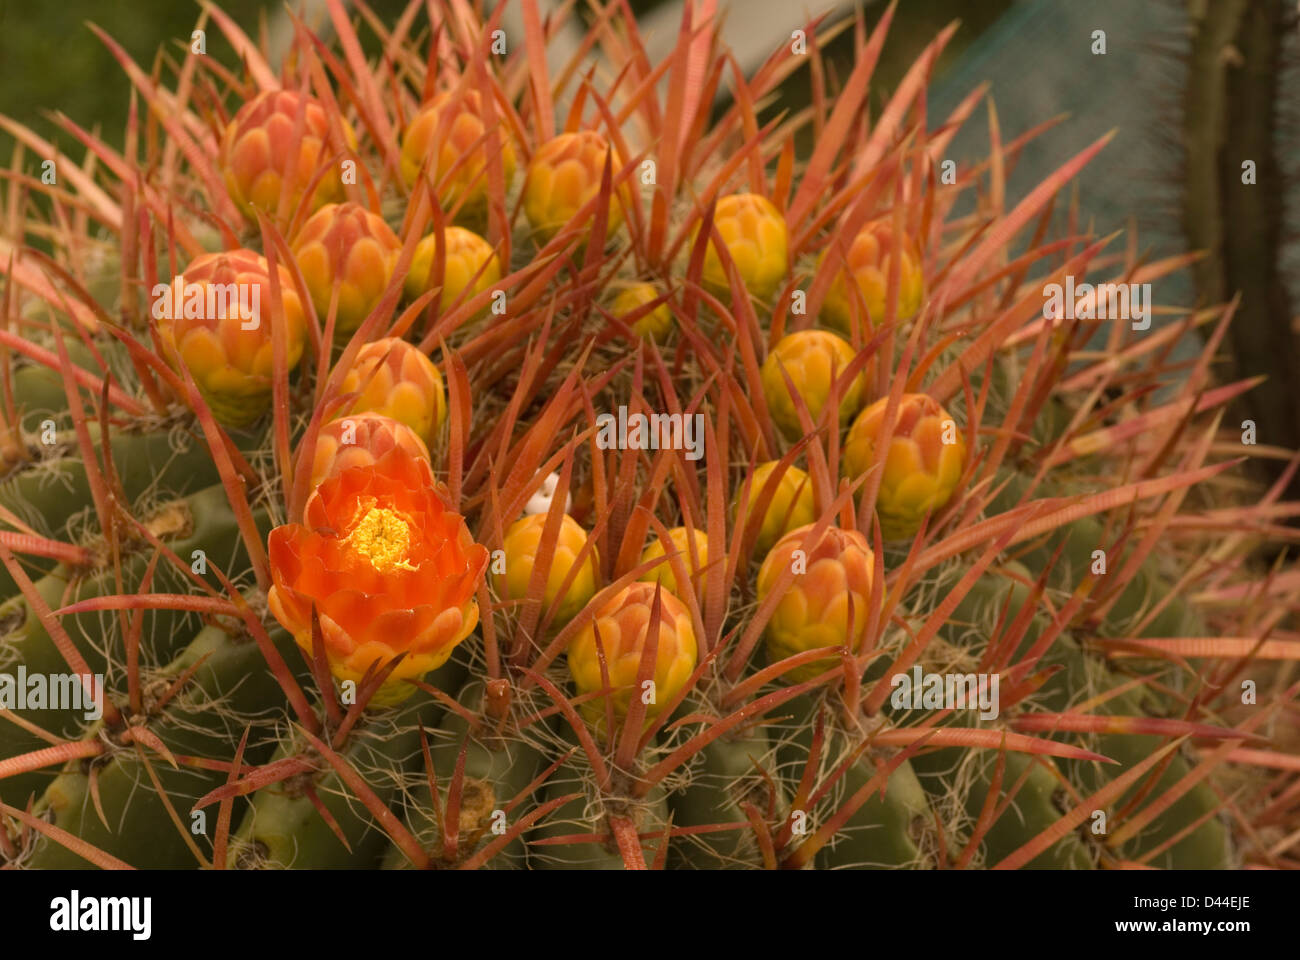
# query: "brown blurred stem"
[[1230, 116]]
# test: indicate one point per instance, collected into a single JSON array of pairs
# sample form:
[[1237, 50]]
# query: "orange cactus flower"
[[347, 241], [360, 440], [757, 240], [695, 559], [564, 176], [810, 357], [469, 267], [922, 466], [259, 146], [215, 318], [653, 325], [392, 377], [791, 504], [521, 545], [828, 602], [451, 129], [623, 622], [867, 262], [389, 567]]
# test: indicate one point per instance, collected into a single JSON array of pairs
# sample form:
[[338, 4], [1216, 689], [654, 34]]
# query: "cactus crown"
[[360, 660]]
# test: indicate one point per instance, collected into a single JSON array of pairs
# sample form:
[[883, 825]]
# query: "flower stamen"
[[383, 538]]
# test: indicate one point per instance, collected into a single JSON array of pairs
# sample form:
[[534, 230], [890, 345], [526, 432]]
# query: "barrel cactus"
[[554, 555]]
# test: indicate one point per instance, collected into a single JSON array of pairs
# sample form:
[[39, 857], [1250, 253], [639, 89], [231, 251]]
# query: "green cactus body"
[[213, 530], [576, 816], [1206, 847], [1082, 538], [48, 494], [496, 769], [283, 829], [588, 813], [723, 780], [27, 644], [1034, 808], [999, 596], [892, 831], [40, 391], [225, 693]]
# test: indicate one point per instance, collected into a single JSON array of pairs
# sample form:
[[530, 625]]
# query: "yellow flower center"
[[383, 538]]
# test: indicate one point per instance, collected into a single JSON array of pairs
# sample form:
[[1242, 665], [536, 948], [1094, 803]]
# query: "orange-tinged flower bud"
[[695, 564], [791, 505], [867, 262], [394, 378], [450, 129], [564, 175], [623, 625], [470, 267], [259, 146], [522, 542], [654, 325], [216, 318], [389, 567], [809, 357], [347, 241], [359, 440], [922, 466], [757, 240], [827, 603]]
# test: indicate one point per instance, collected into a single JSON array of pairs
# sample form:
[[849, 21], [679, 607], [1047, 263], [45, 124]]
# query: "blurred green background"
[[49, 58]]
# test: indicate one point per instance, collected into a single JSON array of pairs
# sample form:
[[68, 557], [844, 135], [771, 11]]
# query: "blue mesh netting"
[[1039, 61]]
